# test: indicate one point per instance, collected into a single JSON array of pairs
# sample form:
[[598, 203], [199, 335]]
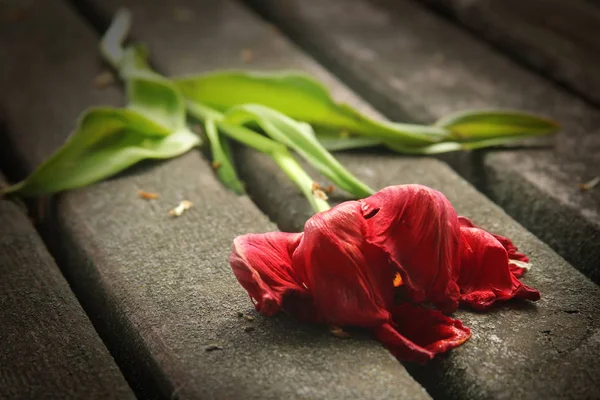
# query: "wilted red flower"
[[382, 263]]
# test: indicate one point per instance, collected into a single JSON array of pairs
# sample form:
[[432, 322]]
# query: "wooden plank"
[[159, 289], [509, 355], [415, 66], [558, 38], [49, 346]]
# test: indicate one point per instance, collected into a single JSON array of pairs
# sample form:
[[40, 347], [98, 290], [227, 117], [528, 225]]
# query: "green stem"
[[239, 133], [352, 183], [111, 45], [294, 171], [277, 151]]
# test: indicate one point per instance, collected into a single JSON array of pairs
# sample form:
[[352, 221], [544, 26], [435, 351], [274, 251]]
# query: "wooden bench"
[[159, 290], [49, 347], [414, 65]]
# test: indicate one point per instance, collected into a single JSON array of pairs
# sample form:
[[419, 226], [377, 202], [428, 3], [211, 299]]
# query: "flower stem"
[[294, 171], [277, 151], [111, 45]]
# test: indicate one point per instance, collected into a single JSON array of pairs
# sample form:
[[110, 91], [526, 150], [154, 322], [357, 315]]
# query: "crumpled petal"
[[262, 263], [418, 334], [350, 280], [485, 276], [518, 261], [418, 227]]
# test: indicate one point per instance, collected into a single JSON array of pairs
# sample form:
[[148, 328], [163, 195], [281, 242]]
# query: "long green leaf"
[[222, 159], [339, 144], [335, 140], [301, 138], [488, 124], [302, 98], [105, 142], [446, 147]]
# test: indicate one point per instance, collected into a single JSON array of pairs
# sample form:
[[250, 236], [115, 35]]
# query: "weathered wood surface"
[[413, 65], [49, 346], [159, 289], [561, 39], [519, 350]]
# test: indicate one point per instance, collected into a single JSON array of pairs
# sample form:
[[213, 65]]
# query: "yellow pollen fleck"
[[397, 279]]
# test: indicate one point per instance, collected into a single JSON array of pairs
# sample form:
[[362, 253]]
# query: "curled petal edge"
[[418, 334], [262, 264], [486, 276]]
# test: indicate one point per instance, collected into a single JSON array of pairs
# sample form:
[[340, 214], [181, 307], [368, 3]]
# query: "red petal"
[[350, 280], [418, 333], [513, 251], [262, 263], [485, 276], [419, 229]]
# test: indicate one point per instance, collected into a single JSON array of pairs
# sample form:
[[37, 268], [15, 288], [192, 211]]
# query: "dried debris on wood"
[[147, 195], [339, 332], [180, 209], [104, 80]]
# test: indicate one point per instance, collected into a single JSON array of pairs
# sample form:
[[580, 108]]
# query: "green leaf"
[[301, 138], [341, 144], [302, 98], [149, 93], [487, 124], [446, 147], [222, 159], [334, 140], [105, 142]]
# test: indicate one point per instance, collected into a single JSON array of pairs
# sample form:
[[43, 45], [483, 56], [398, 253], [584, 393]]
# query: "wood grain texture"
[[415, 66], [159, 289], [561, 39], [509, 356], [50, 349]]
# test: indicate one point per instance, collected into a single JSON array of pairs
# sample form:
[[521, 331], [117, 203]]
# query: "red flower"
[[380, 263]]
